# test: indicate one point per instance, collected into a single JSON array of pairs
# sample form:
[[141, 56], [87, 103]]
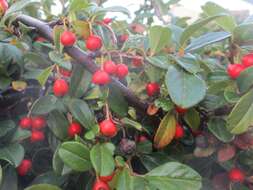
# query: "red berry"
[[60, 87], [38, 123], [234, 70], [100, 185], [137, 62], [179, 131], [107, 178], [93, 43], [152, 88], [24, 167], [65, 72], [40, 39], [101, 77], [25, 122], [3, 6], [122, 70], [37, 136], [123, 38], [180, 110], [68, 38], [110, 67], [107, 20], [108, 128], [142, 138], [236, 175], [74, 129], [247, 60]]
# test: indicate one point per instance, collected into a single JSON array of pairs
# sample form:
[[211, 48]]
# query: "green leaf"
[[9, 180], [166, 131], [57, 34], [188, 62], [117, 102], [173, 175], [192, 118], [12, 153], [164, 103], [243, 34], [227, 22], [117, 9], [191, 29], [78, 5], [6, 127], [20, 134], [241, 117], [58, 58], [82, 113], [57, 163], [43, 76], [231, 94], [44, 105], [124, 180], [131, 123], [43, 187], [245, 80], [218, 127], [79, 82], [58, 124], [207, 39], [159, 37], [185, 90], [102, 160], [75, 155], [159, 61], [16, 7]]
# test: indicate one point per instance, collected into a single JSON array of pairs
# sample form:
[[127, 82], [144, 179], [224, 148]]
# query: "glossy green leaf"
[[166, 131], [231, 94], [43, 76], [20, 134], [117, 102], [82, 113], [227, 22], [131, 123], [58, 58], [78, 5], [57, 30], [242, 34], [173, 175], [245, 80], [185, 90], [44, 105], [218, 127], [57, 163], [207, 39], [102, 160], [241, 117], [191, 29], [58, 124], [79, 82], [43, 187], [159, 61], [159, 37], [192, 118], [123, 180], [6, 126], [12, 153], [75, 155]]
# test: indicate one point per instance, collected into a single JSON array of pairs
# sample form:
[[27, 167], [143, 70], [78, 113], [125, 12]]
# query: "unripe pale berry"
[[60, 87], [68, 38]]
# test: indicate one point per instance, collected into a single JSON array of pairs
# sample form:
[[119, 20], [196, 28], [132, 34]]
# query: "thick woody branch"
[[81, 57]]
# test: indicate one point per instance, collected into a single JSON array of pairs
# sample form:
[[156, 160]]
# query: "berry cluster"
[[234, 70]]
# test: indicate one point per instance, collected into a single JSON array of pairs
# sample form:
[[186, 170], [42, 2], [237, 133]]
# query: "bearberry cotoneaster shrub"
[[89, 102]]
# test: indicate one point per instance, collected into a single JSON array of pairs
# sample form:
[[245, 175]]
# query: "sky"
[[189, 7]]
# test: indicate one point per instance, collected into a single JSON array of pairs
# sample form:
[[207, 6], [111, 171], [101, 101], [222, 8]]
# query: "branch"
[[81, 57]]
